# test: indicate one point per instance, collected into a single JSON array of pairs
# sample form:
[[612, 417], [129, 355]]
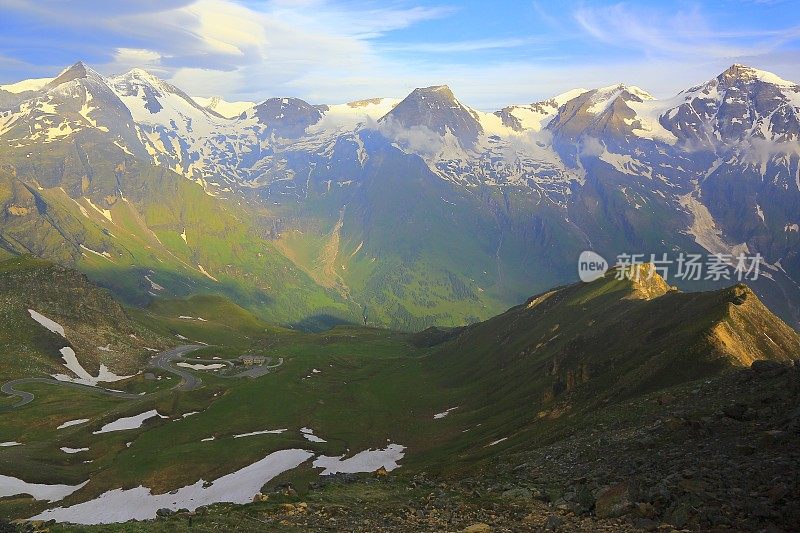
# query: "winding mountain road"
[[161, 361], [26, 397]]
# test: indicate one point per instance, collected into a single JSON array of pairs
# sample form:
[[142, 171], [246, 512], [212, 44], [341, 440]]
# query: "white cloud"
[[685, 32], [128, 58], [224, 47], [326, 51]]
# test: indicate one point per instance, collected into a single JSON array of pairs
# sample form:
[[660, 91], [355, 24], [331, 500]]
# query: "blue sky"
[[491, 53]]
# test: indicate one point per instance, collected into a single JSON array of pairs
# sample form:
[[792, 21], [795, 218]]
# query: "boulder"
[[613, 501]]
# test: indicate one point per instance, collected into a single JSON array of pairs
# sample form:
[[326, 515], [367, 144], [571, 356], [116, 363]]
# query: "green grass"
[[530, 375]]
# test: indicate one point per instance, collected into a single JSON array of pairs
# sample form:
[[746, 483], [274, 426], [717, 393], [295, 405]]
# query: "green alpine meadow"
[[398, 267]]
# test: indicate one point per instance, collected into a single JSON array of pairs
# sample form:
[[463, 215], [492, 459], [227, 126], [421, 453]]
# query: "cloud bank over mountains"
[[322, 50]]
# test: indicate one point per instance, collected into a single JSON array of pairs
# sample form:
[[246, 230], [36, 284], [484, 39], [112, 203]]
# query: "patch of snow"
[[128, 422], [83, 377], [200, 366], [53, 326], [226, 109], [443, 414], [121, 505], [10, 486], [208, 439], [74, 450], [536, 116], [366, 461], [308, 434], [105, 212], [704, 229], [264, 432], [648, 113], [10, 444], [71, 423], [105, 255], [153, 285], [33, 84]]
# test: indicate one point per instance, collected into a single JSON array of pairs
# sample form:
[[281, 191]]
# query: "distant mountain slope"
[[146, 233]]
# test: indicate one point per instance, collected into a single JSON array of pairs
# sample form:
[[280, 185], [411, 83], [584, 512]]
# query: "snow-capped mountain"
[[173, 126], [75, 104], [537, 115], [714, 168], [740, 104], [473, 148], [437, 110], [33, 84], [618, 110]]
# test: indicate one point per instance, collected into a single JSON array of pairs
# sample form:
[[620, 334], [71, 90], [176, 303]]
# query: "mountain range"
[[401, 212]]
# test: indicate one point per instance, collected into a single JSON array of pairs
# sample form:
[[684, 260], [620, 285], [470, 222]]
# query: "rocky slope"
[[94, 325]]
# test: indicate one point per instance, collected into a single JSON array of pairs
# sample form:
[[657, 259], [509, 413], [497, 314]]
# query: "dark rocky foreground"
[[715, 455]]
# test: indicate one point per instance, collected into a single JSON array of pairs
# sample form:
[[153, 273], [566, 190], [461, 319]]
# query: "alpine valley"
[[367, 316]]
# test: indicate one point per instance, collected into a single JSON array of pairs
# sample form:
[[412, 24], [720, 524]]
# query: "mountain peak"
[[444, 90], [745, 74], [139, 75], [437, 109], [78, 65], [440, 92], [287, 117], [75, 72], [612, 91]]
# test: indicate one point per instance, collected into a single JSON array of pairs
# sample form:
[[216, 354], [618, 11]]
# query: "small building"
[[252, 360]]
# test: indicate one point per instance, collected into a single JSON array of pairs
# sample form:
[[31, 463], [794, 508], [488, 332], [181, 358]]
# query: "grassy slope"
[[90, 317]]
